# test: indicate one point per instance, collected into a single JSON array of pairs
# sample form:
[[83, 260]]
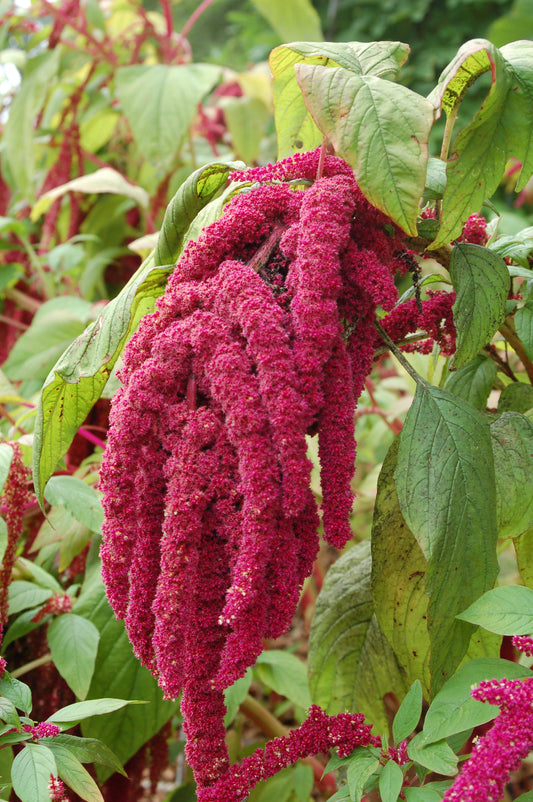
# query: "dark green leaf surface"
[[88, 750], [435, 756], [285, 674], [390, 782], [295, 20], [408, 714], [481, 281], [523, 321], [517, 397], [512, 442], [446, 488], [364, 117], [360, 769], [17, 692]]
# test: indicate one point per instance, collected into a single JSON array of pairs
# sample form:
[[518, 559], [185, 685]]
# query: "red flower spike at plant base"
[[264, 335]]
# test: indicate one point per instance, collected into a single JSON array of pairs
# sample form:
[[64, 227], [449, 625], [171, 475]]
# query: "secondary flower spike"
[[263, 337]]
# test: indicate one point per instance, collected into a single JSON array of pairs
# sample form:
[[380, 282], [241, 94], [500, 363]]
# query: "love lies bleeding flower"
[[264, 336]]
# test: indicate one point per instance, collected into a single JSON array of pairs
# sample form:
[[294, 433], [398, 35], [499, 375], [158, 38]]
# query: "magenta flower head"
[[264, 336]]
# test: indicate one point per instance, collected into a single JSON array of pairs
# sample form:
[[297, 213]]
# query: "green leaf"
[[296, 20], [501, 128], [524, 557], [523, 321], [453, 710], [41, 345], [436, 756], [235, 695], [351, 665], [302, 781], [23, 595], [516, 247], [17, 692], [512, 442], [73, 643], [446, 488], [6, 456], [435, 182], [398, 579], [104, 180], [481, 281], [75, 775], [40, 576], [30, 773], [81, 500], [246, 119], [91, 707], [79, 377], [160, 102], [408, 714], [117, 672], [20, 627], [294, 125], [88, 750], [200, 188], [364, 117], [517, 397], [390, 782], [360, 769], [474, 381], [19, 129], [431, 792], [285, 674], [507, 610], [8, 712]]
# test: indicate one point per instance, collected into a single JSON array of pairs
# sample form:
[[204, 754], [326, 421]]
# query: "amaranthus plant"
[[280, 304]]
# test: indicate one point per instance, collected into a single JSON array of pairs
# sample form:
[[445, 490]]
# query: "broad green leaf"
[[118, 672], [435, 756], [474, 381], [512, 442], [80, 711], [302, 781], [481, 281], [507, 610], [103, 180], [453, 709], [365, 117], [23, 595], [17, 692], [516, 247], [351, 666], [408, 714], [62, 528], [73, 643], [359, 771], [19, 129], [523, 321], [30, 773], [295, 20], [88, 750], [41, 576], [160, 102], [527, 797], [39, 347], [81, 500], [75, 775], [246, 119], [503, 127], [21, 626], [516, 397], [435, 181], [285, 674], [294, 125], [6, 455], [398, 579], [446, 488], [390, 782]]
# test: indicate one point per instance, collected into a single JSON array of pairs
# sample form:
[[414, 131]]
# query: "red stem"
[[195, 16], [168, 16]]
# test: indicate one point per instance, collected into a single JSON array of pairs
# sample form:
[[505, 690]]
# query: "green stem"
[[398, 354], [25, 669]]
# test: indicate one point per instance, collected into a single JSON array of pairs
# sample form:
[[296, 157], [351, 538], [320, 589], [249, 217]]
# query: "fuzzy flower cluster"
[[524, 644], [56, 789], [42, 730], [265, 335], [318, 733], [57, 605], [503, 748]]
